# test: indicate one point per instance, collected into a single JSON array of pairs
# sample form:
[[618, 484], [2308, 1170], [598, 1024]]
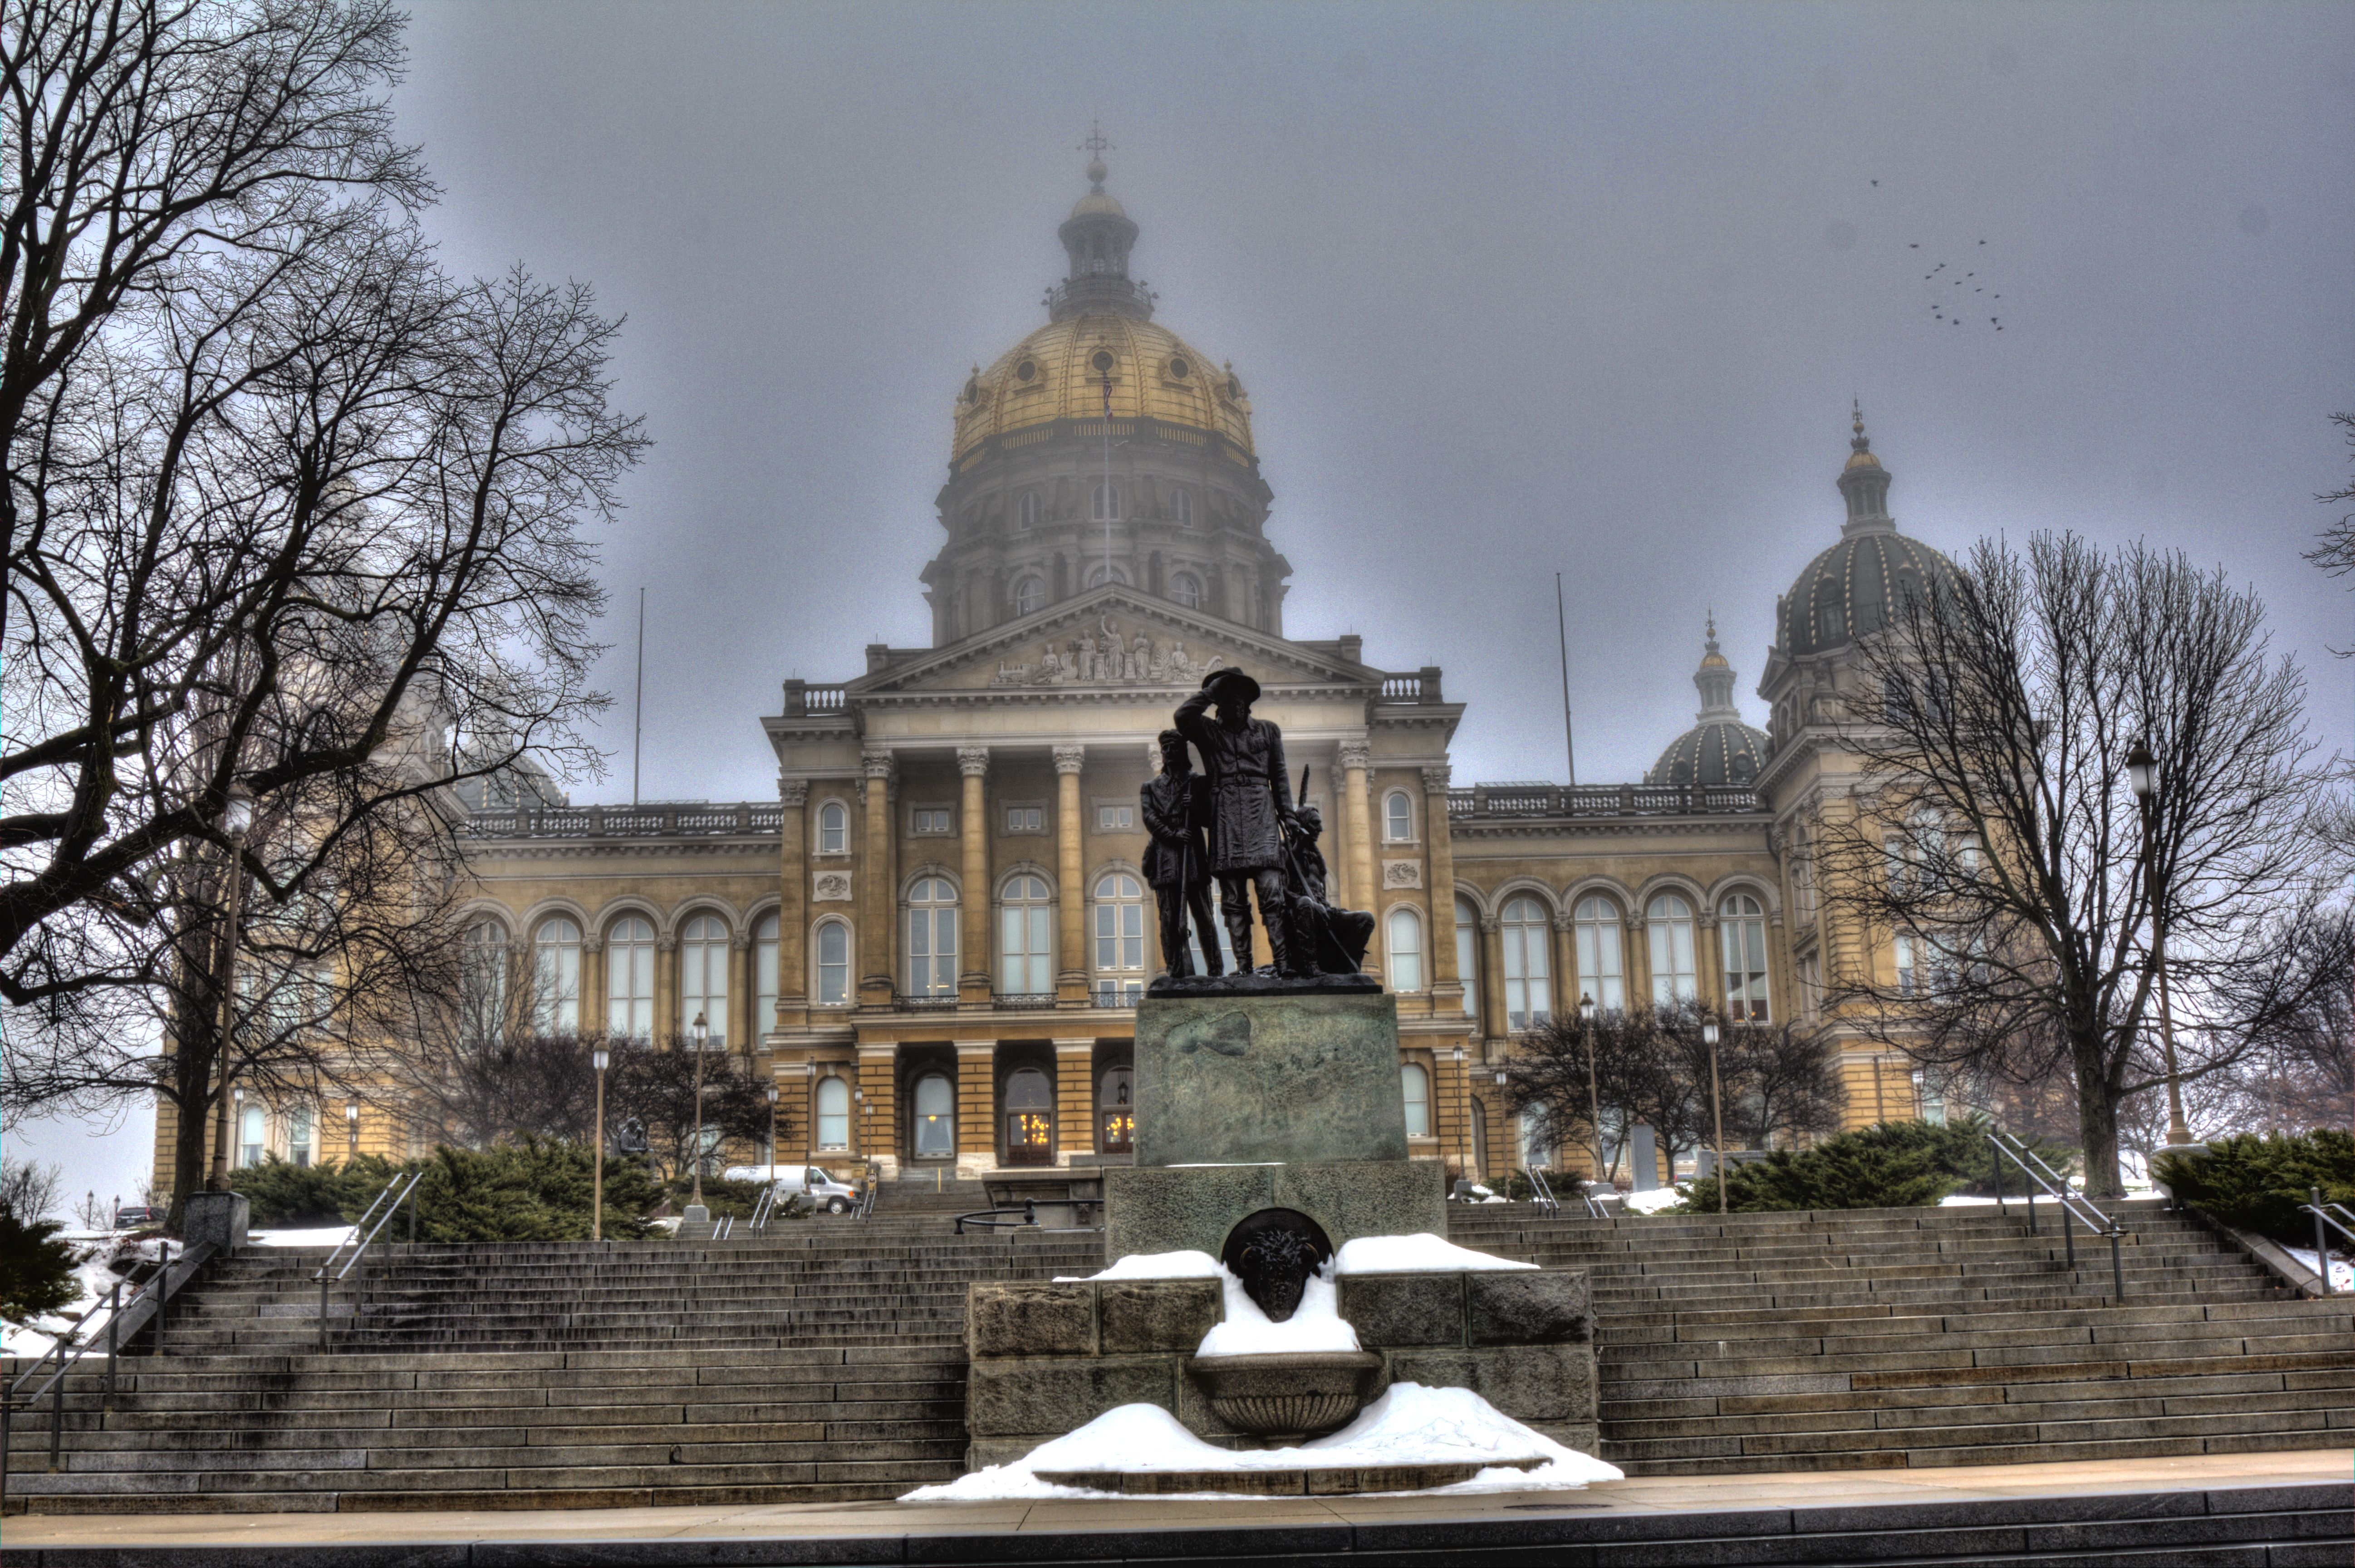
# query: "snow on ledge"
[[1409, 1424], [1316, 1324], [1423, 1254], [1154, 1265]]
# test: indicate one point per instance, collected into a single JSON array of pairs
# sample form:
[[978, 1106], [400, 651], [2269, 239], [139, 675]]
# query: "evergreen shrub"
[[2257, 1183], [530, 1189], [1896, 1164], [37, 1270]]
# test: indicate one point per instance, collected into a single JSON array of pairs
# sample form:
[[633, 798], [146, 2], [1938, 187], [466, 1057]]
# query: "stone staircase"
[[1899, 1338], [824, 1360]]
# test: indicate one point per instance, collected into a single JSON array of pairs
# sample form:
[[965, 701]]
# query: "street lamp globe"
[[351, 1110], [2142, 770], [1709, 1033], [1586, 1009], [701, 1030], [601, 1057], [237, 812]]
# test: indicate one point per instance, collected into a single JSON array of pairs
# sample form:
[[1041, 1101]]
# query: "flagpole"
[[638, 702], [1561, 626]]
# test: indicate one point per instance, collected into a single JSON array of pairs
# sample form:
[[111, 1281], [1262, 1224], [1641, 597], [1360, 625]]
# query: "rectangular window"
[[832, 965], [933, 821], [1115, 818], [1025, 819], [298, 1137]]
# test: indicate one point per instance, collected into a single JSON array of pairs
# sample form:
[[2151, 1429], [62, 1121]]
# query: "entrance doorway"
[[1029, 1118], [1115, 1115], [935, 1118]]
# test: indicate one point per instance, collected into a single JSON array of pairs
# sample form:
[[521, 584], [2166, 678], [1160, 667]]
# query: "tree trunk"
[[2097, 1122]]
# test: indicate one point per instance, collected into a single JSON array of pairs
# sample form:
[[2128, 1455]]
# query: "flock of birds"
[[1956, 308]]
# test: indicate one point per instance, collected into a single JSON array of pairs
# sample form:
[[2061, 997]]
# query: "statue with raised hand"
[[1251, 807]]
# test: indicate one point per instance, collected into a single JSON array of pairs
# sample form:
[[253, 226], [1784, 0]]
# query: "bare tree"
[[657, 1087], [296, 516], [2335, 553], [2299, 1071], [1994, 843], [29, 1191]]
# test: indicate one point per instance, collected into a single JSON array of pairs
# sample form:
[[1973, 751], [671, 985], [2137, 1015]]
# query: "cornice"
[[1460, 828]]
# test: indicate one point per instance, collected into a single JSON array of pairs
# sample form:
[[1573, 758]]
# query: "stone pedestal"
[[216, 1216]]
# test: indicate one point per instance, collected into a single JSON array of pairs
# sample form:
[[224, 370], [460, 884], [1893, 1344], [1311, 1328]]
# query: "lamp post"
[[601, 1057], [351, 1128], [2142, 771], [236, 822], [236, 1101], [1715, 1105], [701, 1030], [1594, 1090]]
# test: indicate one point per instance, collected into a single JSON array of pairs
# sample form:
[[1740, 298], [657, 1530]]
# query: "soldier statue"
[[1250, 806], [1328, 941], [1177, 865]]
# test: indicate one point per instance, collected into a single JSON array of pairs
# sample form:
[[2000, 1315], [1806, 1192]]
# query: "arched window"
[[703, 979], [1181, 506], [1414, 1084], [1104, 502], [1669, 925], [1096, 575], [556, 975], [1742, 931], [1116, 1109], [1535, 1154], [1185, 589], [1594, 926], [1397, 818], [1026, 509], [1529, 993], [1467, 954], [1029, 1118], [483, 980], [932, 938], [833, 1114], [251, 1134], [764, 975], [1405, 939], [833, 947], [1029, 594], [630, 978], [1120, 940], [935, 1117], [833, 829], [1026, 946]]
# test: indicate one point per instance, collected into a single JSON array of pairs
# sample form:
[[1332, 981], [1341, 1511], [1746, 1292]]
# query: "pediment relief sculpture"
[[1109, 654]]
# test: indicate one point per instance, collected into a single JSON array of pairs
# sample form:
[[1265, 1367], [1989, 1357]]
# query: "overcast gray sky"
[[1516, 289]]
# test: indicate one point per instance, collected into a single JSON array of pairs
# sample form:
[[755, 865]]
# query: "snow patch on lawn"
[[1652, 1202], [1409, 1424], [1422, 1254], [1316, 1324], [2342, 1273], [325, 1236], [1154, 1265]]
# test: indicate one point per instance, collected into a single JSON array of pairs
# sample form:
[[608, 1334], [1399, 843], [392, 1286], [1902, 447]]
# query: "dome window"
[[1027, 372], [1181, 507], [1179, 368], [1026, 510], [1102, 361]]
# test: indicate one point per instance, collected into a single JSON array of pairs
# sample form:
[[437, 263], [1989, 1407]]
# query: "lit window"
[[833, 1114], [1026, 511], [933, 820], [1742, 930], [1467, 954], [630, 978], [935, 1117], [1029, 594], [1120, 941], [1528, 999], [833, 829], [764, 975], [1029, 1118], [1186, 590], [1026, 938], [1415, 1084], [1181, 506], [1397, 818], [483, 981], [832, 965], [1115, 818], [932, 938], [555, 971], [1116, 1109], [1595, 925], [1025, 819], [1405, 927], [1104, 502], [1668, 925], [703, 979]]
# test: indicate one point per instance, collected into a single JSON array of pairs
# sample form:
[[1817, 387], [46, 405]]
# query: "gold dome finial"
[[1860, 450], [1096, 146]]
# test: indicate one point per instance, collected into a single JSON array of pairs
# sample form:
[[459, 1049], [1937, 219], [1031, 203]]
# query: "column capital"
[[1565, 921], [976, 1048], [1357, 754], [793, 792], [1434, 780], [592, 945], [1071, 759], [875, 764], [1088, 1044], [667, 942], [973, 762], [739, 941], [1492, 923]]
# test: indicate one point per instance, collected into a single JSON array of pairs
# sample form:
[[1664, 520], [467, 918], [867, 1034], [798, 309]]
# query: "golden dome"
[[1862, 459], [1054, 374]]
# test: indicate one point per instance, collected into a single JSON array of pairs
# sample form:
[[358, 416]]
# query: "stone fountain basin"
[[1288, 1394]]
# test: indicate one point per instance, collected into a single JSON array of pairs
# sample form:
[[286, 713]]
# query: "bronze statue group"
[[1237, 822]]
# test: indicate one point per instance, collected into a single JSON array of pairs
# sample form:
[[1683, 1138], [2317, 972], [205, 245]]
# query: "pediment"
[[1161, 648]]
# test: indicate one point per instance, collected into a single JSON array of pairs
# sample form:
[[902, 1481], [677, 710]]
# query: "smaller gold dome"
[[1863, 459]]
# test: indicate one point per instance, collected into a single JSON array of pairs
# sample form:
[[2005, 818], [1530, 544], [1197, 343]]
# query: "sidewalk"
[[1655, 1496]]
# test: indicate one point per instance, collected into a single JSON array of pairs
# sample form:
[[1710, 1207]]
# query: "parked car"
[[810, 1182], [138, 1217]]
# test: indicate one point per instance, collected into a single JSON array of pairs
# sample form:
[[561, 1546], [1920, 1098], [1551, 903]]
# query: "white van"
[[808, 1182]]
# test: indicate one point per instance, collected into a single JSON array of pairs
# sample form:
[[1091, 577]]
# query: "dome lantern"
[[1865, 485], [1098, 237]]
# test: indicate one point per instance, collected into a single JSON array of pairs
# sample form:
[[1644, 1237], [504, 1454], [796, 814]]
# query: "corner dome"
[[1720, 750], [1857, 586]]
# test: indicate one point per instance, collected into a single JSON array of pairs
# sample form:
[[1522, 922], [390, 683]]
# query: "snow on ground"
[[1422, 1254], [1409, 1424], [37, 1336], [1317, 1324], [1652, 1202], [1154, 1265], [325, 1236], [2342, 1273]]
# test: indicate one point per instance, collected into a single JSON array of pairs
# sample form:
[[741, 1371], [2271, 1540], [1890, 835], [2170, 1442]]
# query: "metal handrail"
[[760, 1210], [866, 1200], [987, 1218], [402, 1187], [2073, 1205], [1542, 1193], [2326, 1214]]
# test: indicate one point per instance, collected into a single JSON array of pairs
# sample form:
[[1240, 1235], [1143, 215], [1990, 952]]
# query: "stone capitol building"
[[934, 936]]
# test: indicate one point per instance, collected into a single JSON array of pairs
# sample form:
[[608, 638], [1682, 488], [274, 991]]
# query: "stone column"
[[877, 901], [1071, 874], [1709, 960], [1337, 841], [1446, 985], [1075, 1099], [972, 976], [976, 1110], [743, 1033], [1357, 763], [1567, 981], [1639, 962], [793, 908], [873, 1112], [1494, 1025], [667, 1021], [594, 1022]]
